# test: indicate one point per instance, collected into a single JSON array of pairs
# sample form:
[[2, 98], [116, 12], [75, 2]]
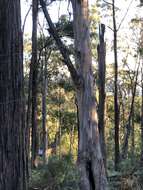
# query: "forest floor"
[[116, 182], [61, 174]]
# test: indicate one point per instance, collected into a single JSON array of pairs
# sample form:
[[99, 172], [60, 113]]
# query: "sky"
[[55, 10], [59, 8]]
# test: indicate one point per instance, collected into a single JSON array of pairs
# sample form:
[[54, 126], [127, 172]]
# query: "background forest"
[[83, 124]]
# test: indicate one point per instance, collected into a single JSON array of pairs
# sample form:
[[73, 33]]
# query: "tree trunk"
[[90, 162], [44, 109], [13, 164], [101, 86], [133, 136], [71, 139], [128, 125], [59, 122], [34, 63], [142, 118], [28, 116], [141, 45], [116, 105], [77, 116]]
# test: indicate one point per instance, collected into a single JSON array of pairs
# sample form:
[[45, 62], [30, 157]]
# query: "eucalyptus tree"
[[12, 118], [34, 68], [90, 161], [101, 85]]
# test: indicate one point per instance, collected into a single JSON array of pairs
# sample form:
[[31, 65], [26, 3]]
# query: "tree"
[[111, 6], [131, 113], [116, 106], [142, 117], [90, 162], [44, 106], [12, 118], [141, 52], [101, 84], [34, 68]]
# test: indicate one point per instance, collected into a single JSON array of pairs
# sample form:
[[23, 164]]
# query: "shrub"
[[58, 174]]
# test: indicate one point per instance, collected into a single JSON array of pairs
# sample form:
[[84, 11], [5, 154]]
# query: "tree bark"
[[34, 65], [142, 118], [141, 45], [101, 85], [90, 162], [44, 108], [116, 104], [133, 136], [13, 164]]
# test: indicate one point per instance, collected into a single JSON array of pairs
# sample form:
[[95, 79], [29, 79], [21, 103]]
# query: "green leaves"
[[58, 174]]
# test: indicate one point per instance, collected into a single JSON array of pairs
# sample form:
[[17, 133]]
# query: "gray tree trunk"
[[133, 136], [44, 108], [13, 164], [101, 85], [34, 68], [116, 104], [142, 118], [90, 161]]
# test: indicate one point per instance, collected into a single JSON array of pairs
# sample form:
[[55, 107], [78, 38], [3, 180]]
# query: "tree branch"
[[108, 3], [110, 28], [125, 15], [52, 30], [26, 18]]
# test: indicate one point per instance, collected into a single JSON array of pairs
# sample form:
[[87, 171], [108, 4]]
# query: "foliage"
[[58, 174], [61, 173]]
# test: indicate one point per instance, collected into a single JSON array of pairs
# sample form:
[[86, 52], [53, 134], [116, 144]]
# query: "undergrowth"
[[62, 174], [58, 174]]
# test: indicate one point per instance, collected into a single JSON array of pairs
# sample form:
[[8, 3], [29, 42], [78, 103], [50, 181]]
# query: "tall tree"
[[142, 117], [101, 86], [131, 112], [116, 105], [90, 162], [141, 48], [12, 118], [115, 30], [44, 103], [34, 67]]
